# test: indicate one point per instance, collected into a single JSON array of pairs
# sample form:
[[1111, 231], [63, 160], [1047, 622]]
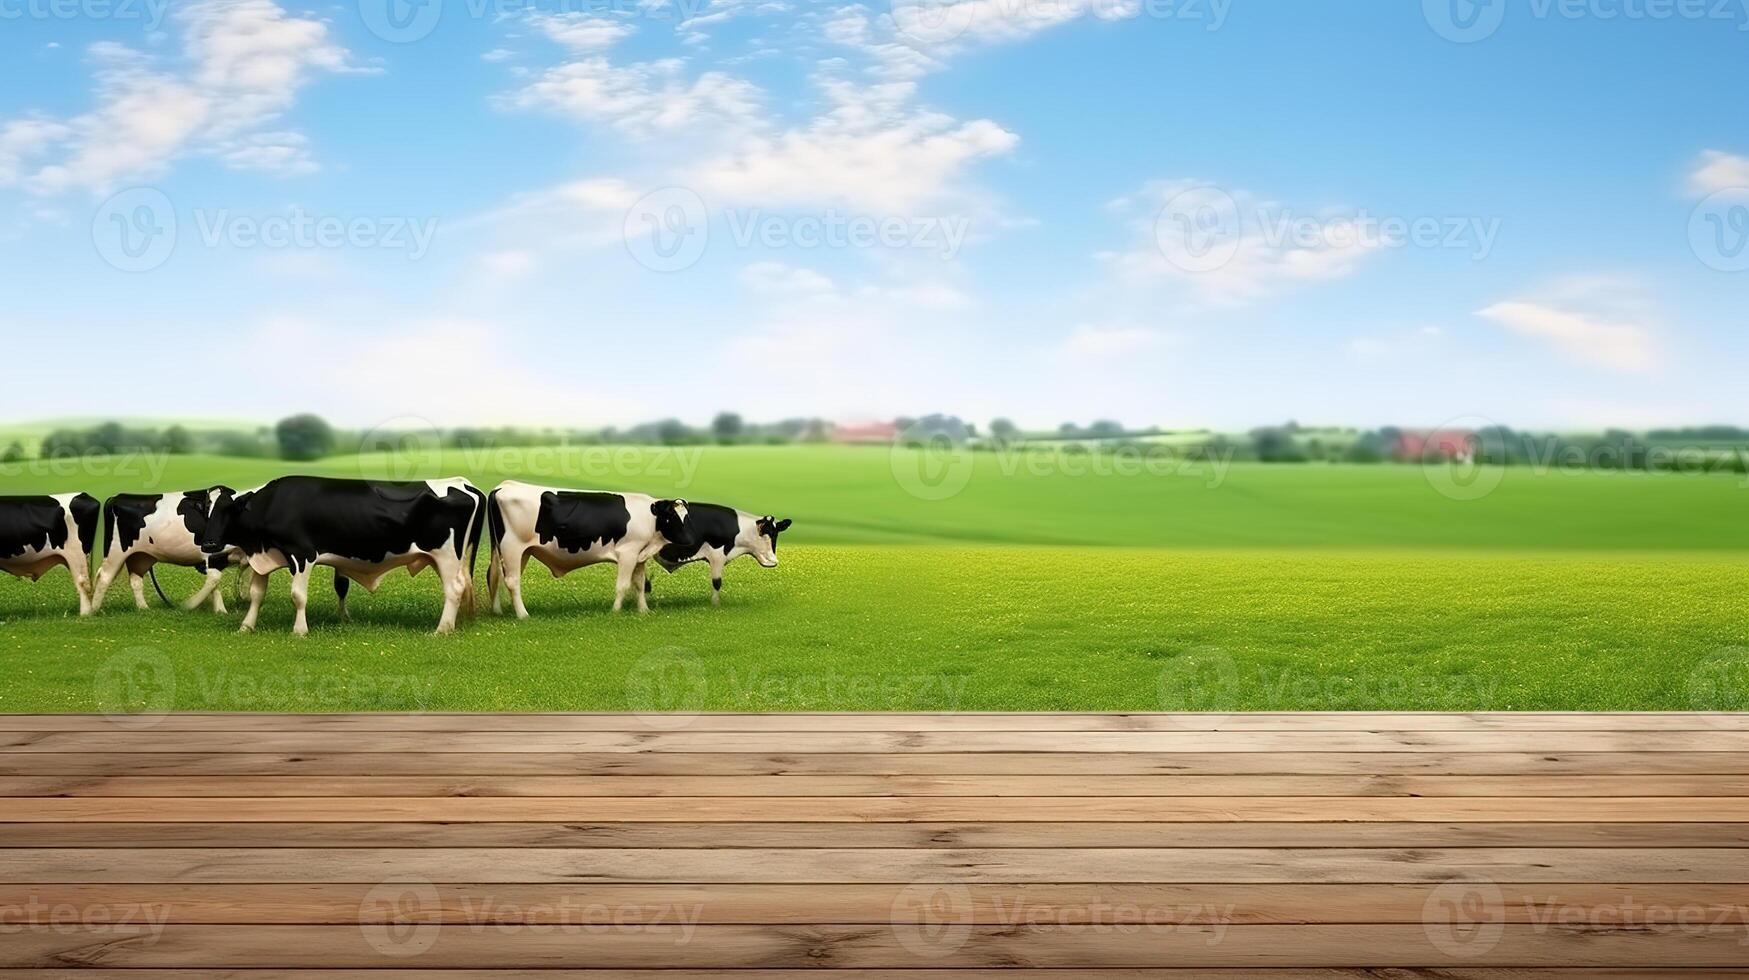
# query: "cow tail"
[[474, 524], [153, 572], [494, 521], [108, 525]]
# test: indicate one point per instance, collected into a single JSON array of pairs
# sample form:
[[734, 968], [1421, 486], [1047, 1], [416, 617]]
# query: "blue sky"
[[1175, 212]]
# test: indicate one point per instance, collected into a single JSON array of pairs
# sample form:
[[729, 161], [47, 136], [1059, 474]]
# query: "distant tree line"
[[307, 437]]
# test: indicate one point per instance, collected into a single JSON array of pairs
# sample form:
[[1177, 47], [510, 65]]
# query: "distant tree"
[[932, 428], [1069, 430], [672, 432], [1276, 445], [727, 427], [63, 443], [13, 453], [1004, 431], [106, 438], [1105, 429], [178, 441], [304, 437]]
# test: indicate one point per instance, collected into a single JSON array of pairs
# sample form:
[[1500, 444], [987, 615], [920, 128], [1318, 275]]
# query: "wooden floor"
[[929, 847]]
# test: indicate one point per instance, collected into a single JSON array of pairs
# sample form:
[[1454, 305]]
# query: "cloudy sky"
[[1176, 212]]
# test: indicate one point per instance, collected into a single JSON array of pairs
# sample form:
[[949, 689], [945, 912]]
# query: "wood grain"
[[1383, 846]]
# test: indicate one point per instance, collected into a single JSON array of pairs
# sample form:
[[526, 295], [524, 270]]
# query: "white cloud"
[[642, 99], [508, 266], [776, 278], [1090, 341], [243, 63], [1717, 171], [1254, 248], [872, 150], [581, 31], [1612, 344], [914, 37]]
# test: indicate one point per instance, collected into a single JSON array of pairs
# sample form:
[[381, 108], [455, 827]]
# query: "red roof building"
[[1454, 444]]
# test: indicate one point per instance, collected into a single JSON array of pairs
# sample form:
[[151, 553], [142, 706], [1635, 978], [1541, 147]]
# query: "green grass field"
[[1040, 585]]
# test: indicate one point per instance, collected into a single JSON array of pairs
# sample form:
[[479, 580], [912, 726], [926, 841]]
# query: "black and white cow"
[[569, 529], [37, 533], [363, 529], [717, 535], [143, 529]]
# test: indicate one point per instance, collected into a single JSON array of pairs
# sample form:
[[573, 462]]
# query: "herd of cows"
[[365, 529]]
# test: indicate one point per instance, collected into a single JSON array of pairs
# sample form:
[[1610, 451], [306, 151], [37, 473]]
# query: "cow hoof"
[[246, 628], [445, 630]]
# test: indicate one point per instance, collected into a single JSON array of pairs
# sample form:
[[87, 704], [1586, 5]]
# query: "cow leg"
[[300, 591], [210, 587], [137, 582], [494, 578], [341, 585], [641, 585], [450, 572], [257, 592], [716, 583], [80, 568], [623, 581], [515, 562], [112, 565]]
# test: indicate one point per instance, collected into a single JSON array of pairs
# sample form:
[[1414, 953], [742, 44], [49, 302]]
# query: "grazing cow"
[[569, 529], [142, 529], [717, 535], [39, 532], [363, 529]]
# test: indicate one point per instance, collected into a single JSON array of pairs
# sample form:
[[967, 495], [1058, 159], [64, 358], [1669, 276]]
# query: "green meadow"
[[986, 581]]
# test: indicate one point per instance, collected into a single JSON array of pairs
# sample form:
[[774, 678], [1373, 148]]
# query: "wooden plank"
[[838, 809], [862, 947], [1362, 721], [875, 835], [865, 785], [438, 763], [834, 865], [1338, 973], [483, 904], [878, 742]]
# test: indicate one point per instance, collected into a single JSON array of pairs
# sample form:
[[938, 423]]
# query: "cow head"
[[215, 536], [764, 545], [670, 518]]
